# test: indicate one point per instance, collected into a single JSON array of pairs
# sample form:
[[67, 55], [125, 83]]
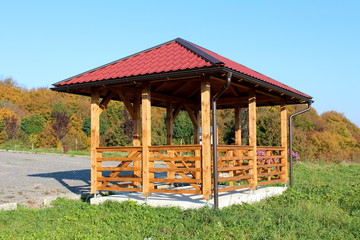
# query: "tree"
[[183, 128], [60, 124], [33, 125], [86, 126], [11, 126]]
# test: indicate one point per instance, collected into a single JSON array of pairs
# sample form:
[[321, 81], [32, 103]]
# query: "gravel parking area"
[[29, 178]]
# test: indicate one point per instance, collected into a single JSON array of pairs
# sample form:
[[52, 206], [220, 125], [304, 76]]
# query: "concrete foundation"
[[192, 201]]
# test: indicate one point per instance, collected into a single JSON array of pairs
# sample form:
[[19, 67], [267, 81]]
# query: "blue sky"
[[312, 46]]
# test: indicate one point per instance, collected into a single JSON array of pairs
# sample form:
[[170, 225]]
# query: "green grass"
[[44, 150], [324, 204]]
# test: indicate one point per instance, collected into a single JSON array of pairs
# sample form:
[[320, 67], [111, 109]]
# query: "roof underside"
[[175, 69]]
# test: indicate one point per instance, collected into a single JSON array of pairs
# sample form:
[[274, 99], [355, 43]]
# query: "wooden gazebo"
[[179, 75]]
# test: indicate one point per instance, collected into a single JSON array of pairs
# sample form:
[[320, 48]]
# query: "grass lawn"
[[324, 204]]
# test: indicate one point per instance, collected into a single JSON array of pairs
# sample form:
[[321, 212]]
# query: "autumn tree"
[[11, 126], [33, 125], [60, 124]]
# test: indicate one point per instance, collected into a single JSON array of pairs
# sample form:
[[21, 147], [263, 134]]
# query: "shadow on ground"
[[77, 181]]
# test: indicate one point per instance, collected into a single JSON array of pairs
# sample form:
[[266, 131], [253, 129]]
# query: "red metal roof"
[[171, 56], [241, 68], [165, 58]]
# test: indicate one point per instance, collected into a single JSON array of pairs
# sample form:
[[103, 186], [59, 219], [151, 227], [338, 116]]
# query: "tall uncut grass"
[[324, 204]]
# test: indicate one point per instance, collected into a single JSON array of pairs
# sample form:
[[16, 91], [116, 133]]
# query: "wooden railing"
[[234, 167], [178, 169], [120, 170], [271, 165], [175, 166]]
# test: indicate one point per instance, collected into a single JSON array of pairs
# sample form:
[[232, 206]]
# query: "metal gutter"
[[215, 161], [290, 140]]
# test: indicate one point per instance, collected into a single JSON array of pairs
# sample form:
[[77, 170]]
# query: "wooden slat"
[[119, 169], [127, 103], [181, 148], [269, 174], [270, 182], [270, 148], [120, 189], [224, 179], [174, 159], [177, 180], [117, 159], [234, 147], [117, 149], [224, 169], [167, 169], [119, 179], [270, 157], [270, 165]]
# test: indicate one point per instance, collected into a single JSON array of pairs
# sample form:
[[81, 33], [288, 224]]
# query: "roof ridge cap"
[[196, 50]]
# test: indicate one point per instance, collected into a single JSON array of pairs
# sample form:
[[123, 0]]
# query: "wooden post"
[[237, 126], [169, 123], [136, 135], [196, 127], [169, 134], [197, 140], [206, 138], [95, 136], [284, 139], [252, 135], [146, 136]]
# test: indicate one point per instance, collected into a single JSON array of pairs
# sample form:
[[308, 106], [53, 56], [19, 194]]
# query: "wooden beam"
[[177, 110], [191, 115], [284, 139], [169, 123], [105, 101], [179, 89], [95, 137], [233, 90], [160, 86], [237, 126], [146, 136], [206, 138], [127, 103], [158, 96], [252, 135], [161, 96]]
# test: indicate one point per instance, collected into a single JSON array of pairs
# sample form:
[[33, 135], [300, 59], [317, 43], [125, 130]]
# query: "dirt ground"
[[29, 178]]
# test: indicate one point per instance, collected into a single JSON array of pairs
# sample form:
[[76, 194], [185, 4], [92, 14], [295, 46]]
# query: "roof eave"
[[268, 85], [140, 78]]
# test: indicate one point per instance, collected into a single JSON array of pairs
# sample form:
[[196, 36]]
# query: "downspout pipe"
[[291, 142], [215, 143]]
